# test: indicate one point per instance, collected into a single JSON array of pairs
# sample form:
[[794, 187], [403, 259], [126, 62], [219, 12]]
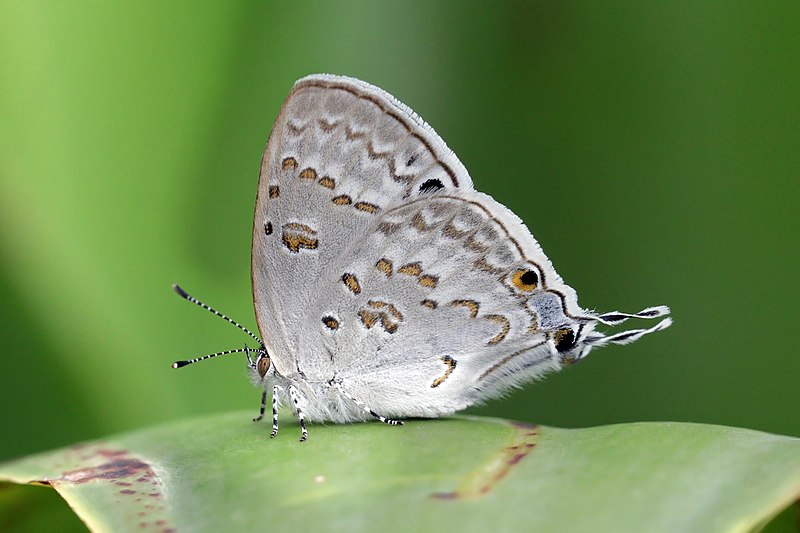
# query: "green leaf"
[[461, 473]]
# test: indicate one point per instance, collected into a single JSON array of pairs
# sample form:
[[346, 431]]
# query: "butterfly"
[[384, 285]]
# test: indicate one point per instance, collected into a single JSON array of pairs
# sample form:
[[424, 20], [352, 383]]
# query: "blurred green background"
[[652, 148]]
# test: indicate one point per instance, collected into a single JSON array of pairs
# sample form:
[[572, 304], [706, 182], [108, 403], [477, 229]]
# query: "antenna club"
[[178, 364], [180, 292]]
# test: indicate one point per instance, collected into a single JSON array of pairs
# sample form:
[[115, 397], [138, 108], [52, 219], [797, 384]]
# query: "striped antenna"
[[615, 318], [624, 337], [186, 296], [179, 364]]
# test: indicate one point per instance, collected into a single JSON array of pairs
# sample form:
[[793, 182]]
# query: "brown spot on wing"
[[327, 182], [385, 266], [505, 327], [451, 365], [351, 282], [367, 207], [289, 163], [472, 305], [388, 325], [391, 309], [296, 236], [429, 281], [308, 174], [274, 191], [368, 318], [411, 269], [342, 199]]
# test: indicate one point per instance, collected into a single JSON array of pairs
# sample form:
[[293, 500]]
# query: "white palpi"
[[384, 284]]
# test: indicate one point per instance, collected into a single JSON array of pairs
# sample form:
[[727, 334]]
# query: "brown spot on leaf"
[[115, 470], [491, 472], [121, 468]]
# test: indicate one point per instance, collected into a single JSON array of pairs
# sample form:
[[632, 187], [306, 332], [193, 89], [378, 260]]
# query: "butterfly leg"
[[390, 421], [263, 407], [275, 405], [295, 397]]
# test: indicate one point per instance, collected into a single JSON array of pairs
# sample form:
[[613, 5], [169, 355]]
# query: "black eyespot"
[[529, 277], [431, 185], [565, 340], [525, 279]]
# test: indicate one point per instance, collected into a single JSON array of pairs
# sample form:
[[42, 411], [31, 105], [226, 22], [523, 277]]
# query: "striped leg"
[[295, 397], [275, 405], [263, 407], [390, 421]]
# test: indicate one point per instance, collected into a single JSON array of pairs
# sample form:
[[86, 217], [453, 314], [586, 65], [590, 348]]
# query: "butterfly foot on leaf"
[[389, 421]]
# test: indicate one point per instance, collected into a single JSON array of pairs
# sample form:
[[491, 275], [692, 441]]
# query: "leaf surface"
[[461, 473]]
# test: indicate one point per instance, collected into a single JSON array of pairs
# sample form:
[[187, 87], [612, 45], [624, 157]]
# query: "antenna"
[[179, 364], [186, 296]]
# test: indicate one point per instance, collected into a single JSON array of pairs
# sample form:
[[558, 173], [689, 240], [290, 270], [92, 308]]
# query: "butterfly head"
[[574, 342], [567, 343]]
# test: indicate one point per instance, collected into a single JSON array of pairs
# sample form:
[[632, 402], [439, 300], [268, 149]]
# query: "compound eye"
[[525, 279], [263, 365], [565, 340]]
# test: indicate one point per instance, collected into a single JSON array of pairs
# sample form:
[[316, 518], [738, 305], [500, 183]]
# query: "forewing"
[[341, 152]]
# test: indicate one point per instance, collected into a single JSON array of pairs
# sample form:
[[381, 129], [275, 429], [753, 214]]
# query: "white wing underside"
[[377, 266]]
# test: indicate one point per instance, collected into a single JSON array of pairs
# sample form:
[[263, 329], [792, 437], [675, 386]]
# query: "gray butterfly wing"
[[445, 301], [340, 153], [383, 283]]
